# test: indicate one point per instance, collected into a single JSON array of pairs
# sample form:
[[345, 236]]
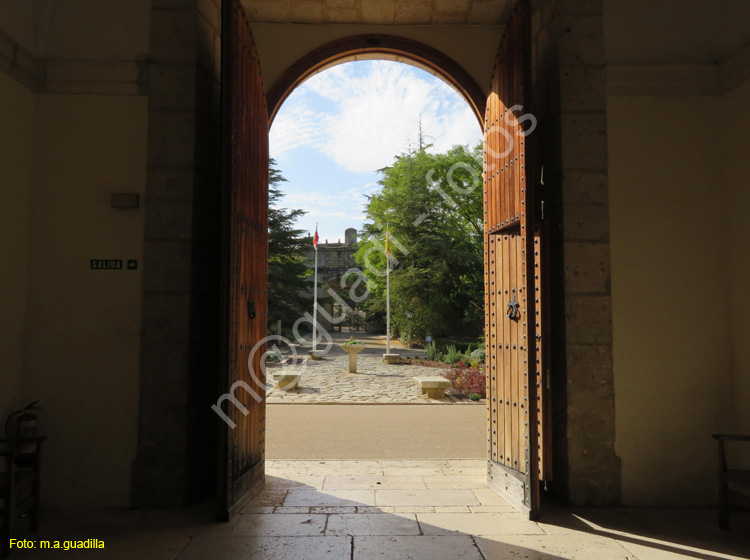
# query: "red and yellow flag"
[[315, 239]]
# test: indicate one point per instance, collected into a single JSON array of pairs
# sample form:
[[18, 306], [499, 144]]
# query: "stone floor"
[[328, 382], [409, 509]]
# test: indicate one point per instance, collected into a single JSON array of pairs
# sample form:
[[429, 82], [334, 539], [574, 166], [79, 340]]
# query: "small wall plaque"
[[125, 200]]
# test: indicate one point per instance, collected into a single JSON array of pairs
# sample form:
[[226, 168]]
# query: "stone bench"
[[433, 385], [288, 378]]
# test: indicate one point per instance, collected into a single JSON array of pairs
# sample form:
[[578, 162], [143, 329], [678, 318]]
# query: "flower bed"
[[467, 379]]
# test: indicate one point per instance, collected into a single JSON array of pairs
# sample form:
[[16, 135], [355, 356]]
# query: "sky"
[[339, 127]]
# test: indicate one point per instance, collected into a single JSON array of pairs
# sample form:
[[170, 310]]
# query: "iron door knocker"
[[513, 306]]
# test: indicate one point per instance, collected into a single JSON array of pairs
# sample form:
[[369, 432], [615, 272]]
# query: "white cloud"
[[315, 213], [363, 114], [299, 199], [368, 188], [299, 126]]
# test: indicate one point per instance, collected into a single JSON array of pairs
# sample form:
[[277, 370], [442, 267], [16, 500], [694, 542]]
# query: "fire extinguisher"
[[26, 427]]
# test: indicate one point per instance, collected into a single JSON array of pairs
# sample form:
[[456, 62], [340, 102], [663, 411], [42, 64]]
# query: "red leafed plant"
[[467, 379]]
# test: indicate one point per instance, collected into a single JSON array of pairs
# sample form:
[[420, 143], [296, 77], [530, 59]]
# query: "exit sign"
[[106, 264]]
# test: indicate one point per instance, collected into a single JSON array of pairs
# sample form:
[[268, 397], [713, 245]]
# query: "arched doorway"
[[513, 249]]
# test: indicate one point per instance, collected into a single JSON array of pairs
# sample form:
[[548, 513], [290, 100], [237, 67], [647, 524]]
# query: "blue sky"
[[339, 127]]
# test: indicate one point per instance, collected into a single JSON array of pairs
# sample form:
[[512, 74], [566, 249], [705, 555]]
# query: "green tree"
[[432, 204], [288, 286]]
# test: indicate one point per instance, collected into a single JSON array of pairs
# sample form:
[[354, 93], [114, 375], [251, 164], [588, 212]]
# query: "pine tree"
[[288, 286]]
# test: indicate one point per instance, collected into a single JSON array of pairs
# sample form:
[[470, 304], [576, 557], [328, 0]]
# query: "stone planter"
[[352, 350], [316, 354], [391, 359]]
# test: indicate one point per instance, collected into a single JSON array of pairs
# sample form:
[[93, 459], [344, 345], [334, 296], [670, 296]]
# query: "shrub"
[[479, 355], [467, 380], [453, 356], [274, 356], [431, 351], [475, 396]]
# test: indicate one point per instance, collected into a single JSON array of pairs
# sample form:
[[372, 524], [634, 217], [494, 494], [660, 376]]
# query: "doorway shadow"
[[299, 515], [295, 516]]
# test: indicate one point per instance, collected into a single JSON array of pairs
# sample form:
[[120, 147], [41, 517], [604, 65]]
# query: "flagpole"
[[315, 293], [387, 291]]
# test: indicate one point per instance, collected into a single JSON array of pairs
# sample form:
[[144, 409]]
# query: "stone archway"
[[381, 47]]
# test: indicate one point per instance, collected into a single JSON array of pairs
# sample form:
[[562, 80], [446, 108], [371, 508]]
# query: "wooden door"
[[513, 279], [245, 262]]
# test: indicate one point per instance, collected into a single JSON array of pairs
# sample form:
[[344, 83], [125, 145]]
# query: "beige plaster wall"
[[82, 325], [70, 336], [736, 167], [679, 314], [473, 47], [16, 148], [674, 31], [17, 19]]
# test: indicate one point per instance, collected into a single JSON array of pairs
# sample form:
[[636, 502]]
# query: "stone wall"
[[181, 268], [334, 259], [570, 102]]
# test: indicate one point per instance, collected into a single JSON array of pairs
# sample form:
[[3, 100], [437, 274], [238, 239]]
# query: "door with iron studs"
[[513, 265], [241, 461]]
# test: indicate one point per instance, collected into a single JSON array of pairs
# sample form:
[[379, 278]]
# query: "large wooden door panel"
[[513, 269], [245, 262]]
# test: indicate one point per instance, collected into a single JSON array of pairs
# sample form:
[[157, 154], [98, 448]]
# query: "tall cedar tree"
[[288, 284], [433, 206]]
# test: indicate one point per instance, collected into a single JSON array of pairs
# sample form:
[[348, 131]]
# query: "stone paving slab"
[[299, 521]]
